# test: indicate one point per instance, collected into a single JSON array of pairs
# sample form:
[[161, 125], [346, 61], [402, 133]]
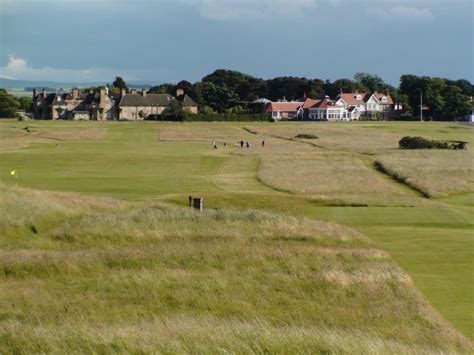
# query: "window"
[[275, 113]]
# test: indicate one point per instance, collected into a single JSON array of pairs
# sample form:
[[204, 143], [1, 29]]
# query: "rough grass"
[[336, 179], [134, 277], [21, 135], [130, 161], [441, 174], [355, 137]]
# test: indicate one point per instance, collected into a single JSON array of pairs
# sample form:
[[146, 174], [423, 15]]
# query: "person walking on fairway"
[[241, 144], [247, 144], [263, 143], [214, 146]]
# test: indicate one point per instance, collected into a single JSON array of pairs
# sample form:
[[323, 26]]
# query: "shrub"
[[423, 143], [306, 136]]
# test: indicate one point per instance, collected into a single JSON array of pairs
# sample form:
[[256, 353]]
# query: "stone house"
[[134, 106], [75, 105], [104, 105]]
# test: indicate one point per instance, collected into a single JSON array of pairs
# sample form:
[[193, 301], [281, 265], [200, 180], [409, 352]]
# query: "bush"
[[306, 136], [423, 143]]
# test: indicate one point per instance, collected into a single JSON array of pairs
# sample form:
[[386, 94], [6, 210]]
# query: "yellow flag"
[[13, 172]]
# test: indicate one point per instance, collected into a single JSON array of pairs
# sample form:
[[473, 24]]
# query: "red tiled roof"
[[284, 106], [350, 98], [310, 102], [379, 97], [326, 103]]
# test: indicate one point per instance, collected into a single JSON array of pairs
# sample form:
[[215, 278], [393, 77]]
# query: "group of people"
[[241, 143]]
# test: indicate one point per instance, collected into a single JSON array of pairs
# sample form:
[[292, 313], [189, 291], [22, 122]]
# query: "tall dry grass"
[[333, 178], [435, 172], [112, 276]]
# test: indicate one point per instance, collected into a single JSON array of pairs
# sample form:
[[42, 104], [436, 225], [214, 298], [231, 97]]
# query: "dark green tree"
[[371, 82], [120, 83], [176, 108], [457, 105], [229, 78], [166, 88], [219, 98], [25, 103], [8, 105]]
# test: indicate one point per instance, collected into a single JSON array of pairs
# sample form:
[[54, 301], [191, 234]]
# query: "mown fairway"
[[331, 178]]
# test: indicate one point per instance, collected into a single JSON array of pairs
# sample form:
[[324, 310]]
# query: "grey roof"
[[187, 101], [148, 100]]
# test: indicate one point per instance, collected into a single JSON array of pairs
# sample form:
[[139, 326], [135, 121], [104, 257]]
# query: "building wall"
[[133, 112]]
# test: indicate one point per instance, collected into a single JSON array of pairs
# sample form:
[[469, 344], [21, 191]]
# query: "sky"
[[171, 40]]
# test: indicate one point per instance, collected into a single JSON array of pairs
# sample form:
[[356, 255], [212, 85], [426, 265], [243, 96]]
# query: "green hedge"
[[423, 143], [227, 117]]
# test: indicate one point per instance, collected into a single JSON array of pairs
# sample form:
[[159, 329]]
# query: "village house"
[[105, 105], [74, 105], [137, 106], [330, 110], [284, 110], [376, 105], [346, 107]]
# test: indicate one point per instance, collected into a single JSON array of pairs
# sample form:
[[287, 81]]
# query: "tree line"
[[232, 92], [228, 91]]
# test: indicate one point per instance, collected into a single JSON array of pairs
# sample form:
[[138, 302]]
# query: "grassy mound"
[[99, 275]]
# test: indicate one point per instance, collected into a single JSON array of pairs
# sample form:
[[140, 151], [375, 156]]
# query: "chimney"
[[44, 92], [144, 92], [102, 96], [34, 94], [122, 92], [91, 91], [179, 92], [133, 91], [284, 98], [75, 93]]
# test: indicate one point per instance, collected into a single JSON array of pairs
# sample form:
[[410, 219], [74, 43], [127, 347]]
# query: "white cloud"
[[18, 68], [223, 10], [401, 12]]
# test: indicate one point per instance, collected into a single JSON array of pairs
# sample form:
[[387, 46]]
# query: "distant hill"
[[21, 84]]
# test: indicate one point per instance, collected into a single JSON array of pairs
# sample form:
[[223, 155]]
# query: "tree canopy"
[[8, 105], [227, 91], [119, 83], [444, 98]]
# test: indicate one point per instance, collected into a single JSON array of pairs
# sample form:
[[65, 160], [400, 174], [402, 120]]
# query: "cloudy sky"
[[170, 40]]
